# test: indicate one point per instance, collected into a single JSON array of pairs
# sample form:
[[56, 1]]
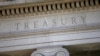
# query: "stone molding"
[[45, 8]]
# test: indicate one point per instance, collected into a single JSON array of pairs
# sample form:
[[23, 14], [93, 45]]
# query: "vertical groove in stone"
[[66, 5], [0, 12], [94, 1], [33, 9], [99, 2], [38, 8], [51, 6], [61, 5]]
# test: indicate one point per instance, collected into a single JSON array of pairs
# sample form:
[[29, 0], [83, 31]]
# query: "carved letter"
[[26, 25], [83, 19], [45, 23], [17, 26], [35, 24], [54, 22], [63, 21], [74, 20]]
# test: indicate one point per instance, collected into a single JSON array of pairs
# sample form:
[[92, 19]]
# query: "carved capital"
[[51, 51]]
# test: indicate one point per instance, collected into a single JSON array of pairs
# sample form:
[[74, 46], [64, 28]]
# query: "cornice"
[[47, 7]]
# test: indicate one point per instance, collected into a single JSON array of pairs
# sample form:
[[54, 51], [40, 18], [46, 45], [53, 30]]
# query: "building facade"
[[49, 27]]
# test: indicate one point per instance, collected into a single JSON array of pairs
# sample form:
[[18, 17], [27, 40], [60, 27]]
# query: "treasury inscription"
[[48, 22]]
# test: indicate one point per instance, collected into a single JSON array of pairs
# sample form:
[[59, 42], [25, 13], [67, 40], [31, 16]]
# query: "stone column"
[[51, 51]]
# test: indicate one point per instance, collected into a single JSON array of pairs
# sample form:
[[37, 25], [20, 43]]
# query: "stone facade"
[[50, 28]]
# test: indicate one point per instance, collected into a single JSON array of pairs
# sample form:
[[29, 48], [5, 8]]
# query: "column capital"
[[51, 51]]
